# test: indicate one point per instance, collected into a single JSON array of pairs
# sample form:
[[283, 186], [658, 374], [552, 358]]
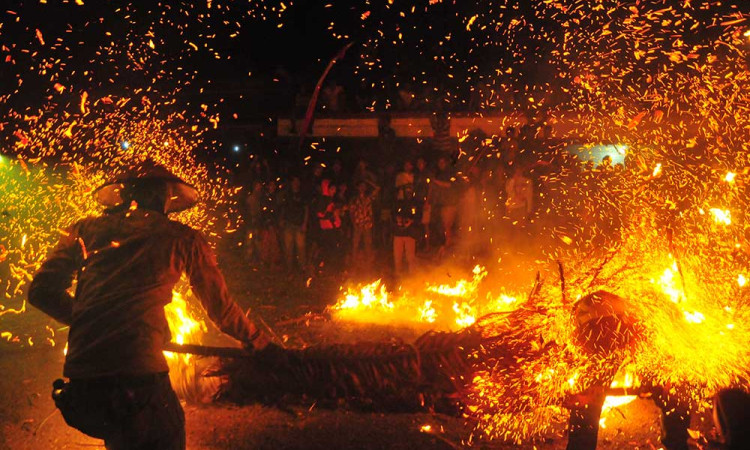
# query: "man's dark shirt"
[[294, 208], [126, 264]]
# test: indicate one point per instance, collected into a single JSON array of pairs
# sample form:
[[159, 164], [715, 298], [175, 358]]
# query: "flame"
[[185, 371], [184, 327], [668, 284], [427, 312], [466, 314], [369, 296], [721, 216], [657, 171], [623, 379], [447, 306], [612, 402], [694, 316]]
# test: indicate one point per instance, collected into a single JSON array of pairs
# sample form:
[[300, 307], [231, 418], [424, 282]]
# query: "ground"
[[28, 418]]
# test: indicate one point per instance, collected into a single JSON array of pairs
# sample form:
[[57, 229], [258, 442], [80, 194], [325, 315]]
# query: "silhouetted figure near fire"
[[126, 263], [604, 330], [731, 417]]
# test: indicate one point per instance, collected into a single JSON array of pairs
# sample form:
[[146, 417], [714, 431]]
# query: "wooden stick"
[[203, 350]]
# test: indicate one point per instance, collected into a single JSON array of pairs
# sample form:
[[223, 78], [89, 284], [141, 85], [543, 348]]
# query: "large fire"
[[690, 340], [185, 328], [185, 370], [449, 306]]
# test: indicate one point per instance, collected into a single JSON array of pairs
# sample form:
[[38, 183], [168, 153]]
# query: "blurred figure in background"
[[470, 209], [386, 204], [445, 200], [252, 219], [405, 235], [270, 252], [520, 193], [328, 221], [363, 173], [422, 179], [294, 213], [405, 181], [363, 220]]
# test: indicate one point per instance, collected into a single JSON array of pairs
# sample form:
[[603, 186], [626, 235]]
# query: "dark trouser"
[[294, 245], [140, 412], [731, 416], [675, 420], [583, 428]]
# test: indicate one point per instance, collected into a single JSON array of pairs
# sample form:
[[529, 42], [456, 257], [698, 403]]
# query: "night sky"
[[250, 61], [236, 49]]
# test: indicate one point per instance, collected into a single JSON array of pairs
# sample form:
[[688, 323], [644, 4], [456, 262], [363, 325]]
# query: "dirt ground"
[[28, 418]]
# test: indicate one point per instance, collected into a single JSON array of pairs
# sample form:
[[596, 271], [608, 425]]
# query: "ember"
[[552, 195]]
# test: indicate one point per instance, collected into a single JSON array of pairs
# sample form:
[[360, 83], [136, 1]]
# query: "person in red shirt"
[[126, 263]]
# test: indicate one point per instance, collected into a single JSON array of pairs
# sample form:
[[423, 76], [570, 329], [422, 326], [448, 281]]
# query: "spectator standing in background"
[[328, 219], [422, 179], [337, 176], [520, 193], [470, 212], [445, 199], [405, 181], [386, 203], [259, 170], [251, 211], [361, 213], [405, 234], [270, 253], [312, 182], [341, 183], [294, 214], [362, 173]]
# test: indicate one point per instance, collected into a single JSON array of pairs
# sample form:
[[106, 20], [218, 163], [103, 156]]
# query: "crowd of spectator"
[[333, 215]]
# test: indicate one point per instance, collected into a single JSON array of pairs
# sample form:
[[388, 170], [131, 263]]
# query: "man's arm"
[[49, 288], [211, 289]]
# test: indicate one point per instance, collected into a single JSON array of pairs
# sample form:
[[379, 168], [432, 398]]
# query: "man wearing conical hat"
[[126, 263]]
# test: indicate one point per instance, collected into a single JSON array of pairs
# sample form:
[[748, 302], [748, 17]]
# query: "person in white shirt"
[[405, 182]]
